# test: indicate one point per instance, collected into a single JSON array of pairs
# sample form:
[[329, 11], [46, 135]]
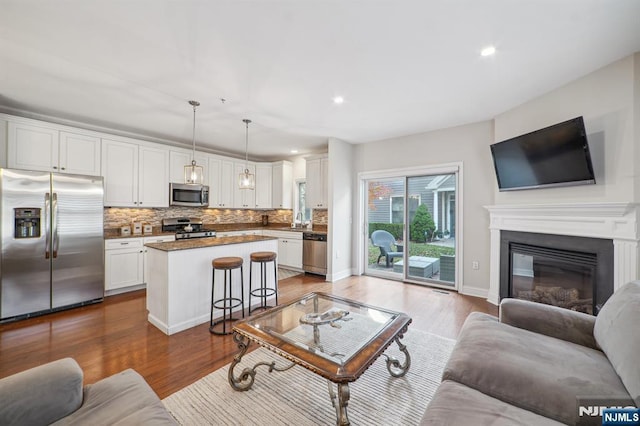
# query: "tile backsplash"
[[117, 217]]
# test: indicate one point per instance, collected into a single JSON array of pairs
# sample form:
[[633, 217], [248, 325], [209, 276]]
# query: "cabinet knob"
[[55, 168], [63, 168]]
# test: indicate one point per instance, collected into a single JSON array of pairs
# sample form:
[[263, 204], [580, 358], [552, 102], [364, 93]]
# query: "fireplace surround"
[[617, 222]]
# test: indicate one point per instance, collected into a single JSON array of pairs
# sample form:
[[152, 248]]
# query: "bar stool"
[[228, 302], [262, 258]]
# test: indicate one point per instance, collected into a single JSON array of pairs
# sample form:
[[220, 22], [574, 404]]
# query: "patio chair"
[[383, 240]]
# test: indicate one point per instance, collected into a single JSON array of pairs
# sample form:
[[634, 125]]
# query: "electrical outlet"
[[475, 265], [337, 254]]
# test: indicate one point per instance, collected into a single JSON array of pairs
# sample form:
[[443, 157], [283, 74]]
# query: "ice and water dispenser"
[[27, 223]]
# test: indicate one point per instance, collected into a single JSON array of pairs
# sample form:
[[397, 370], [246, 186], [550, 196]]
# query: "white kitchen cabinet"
[[31, 147], [134, 175], [264, 173], [179, 159], [289, 248], [123, 264], [243, 198], [221, 182], [153, 177], [317, 171], [282, 185], [79, 154]]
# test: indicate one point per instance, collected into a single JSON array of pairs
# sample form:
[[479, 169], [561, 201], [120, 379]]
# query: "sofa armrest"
[[561, 323], [41, 395]]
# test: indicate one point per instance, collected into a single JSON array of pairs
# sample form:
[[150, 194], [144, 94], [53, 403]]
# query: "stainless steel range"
[[187, 227]]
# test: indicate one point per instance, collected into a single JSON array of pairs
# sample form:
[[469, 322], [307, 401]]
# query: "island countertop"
[[195, 243]]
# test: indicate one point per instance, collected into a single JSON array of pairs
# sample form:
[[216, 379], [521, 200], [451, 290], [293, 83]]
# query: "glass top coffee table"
[[334, 337]]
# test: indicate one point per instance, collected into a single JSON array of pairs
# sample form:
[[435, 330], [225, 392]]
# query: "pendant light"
[[192, 172], [246, 180]]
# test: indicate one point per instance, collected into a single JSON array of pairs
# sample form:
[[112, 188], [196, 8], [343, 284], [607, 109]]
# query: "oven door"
[[182, 194]]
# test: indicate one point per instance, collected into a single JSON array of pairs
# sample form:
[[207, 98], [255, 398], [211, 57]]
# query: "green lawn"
[[415, 249]]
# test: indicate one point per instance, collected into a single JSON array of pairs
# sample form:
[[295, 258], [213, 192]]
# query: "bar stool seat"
[[227, 303], [262, 292]]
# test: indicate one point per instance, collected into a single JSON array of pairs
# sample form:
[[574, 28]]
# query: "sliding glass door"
[[410, 226]]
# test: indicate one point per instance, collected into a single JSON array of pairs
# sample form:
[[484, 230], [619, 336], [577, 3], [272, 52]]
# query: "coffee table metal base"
[[244, 381]]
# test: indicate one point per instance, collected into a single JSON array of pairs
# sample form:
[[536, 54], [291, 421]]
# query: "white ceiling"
[[403, 66]]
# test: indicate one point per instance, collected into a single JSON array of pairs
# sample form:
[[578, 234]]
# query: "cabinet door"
[[282, 187], [123, 268], [214, 182], [263, 186], [294, 253], [324, 183], [243, 198], [228, 182], [179, 159], [120, 172], [79, 154], [153, 172], [314, 183], [32, 147]]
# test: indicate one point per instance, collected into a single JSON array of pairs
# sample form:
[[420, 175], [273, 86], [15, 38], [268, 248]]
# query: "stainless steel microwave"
[[188, 194]]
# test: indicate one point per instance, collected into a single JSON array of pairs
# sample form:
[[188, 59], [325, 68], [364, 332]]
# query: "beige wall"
[[468, 144], [605, 99]]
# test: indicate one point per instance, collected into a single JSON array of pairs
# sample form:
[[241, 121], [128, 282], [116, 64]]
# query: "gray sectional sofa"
[[53, 394], [537, 364]]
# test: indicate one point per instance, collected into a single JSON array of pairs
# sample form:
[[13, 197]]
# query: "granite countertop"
[[113, 233], [195, 243]]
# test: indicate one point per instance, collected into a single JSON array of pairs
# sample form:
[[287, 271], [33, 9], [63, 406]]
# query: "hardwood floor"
[[109, 337]]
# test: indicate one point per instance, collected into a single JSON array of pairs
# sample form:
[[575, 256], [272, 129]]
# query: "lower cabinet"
[[289, 248], [124, 262]]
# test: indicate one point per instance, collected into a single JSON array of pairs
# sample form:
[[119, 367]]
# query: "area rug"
[[283, 273], [299, 397]]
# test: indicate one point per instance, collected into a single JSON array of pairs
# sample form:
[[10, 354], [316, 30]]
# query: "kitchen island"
[[179, 278]]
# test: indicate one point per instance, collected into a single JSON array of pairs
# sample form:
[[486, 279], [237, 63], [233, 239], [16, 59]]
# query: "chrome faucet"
[[298, 221]]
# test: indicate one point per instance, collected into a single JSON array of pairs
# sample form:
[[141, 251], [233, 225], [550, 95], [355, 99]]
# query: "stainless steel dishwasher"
[[314, 253]]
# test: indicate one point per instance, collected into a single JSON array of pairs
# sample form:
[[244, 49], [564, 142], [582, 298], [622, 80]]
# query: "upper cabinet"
[[135, 175], [31, 147], [317, 171], [180, 158], [282, 185], [263, 185], [221, 182]]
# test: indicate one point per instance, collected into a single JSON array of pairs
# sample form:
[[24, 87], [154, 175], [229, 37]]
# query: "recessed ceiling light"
[[294, 151], [488, 51], [338, 100]]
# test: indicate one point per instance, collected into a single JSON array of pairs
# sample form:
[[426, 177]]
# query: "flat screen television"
[[557, 155]]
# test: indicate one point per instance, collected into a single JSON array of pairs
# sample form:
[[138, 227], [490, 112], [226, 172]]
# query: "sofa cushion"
[[122, 399], [530, 370], [616, 332], [456, 404], [41, 395]]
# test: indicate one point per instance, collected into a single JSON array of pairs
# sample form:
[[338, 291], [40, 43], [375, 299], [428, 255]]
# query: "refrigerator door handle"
[[54, 223], [47, 240]]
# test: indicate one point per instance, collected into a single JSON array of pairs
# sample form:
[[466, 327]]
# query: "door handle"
[[54, 223], [47, 224]]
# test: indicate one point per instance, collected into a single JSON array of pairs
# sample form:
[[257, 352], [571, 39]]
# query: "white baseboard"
[[339, 275], [474, 291]]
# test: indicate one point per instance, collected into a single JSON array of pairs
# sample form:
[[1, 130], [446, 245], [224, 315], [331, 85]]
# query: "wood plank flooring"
[[109, 337]]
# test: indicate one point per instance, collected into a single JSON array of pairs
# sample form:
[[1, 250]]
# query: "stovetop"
[[184, 235]]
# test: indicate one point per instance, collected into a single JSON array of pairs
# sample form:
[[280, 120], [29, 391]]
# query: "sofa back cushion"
[[41, 395], [617, 332]]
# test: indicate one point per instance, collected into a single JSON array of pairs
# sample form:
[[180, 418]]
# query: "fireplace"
[[566, 271], [616, 222]]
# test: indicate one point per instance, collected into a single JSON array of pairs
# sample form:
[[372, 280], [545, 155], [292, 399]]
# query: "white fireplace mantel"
[[615, 221]]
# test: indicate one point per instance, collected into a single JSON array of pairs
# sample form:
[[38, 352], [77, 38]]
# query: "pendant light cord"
[[246, 147], [193, 141]]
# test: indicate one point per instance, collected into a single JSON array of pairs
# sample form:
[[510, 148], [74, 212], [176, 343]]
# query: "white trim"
[[474, 291], [339, 276]]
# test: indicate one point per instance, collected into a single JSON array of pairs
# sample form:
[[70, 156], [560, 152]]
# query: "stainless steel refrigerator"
[[52, 244]]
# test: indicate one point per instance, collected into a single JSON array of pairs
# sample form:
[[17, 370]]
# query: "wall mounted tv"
[[554, 156]]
